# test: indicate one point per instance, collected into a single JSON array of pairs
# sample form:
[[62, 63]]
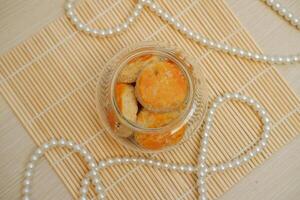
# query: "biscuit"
[[127, 105], [126, 101], [118, 128], [161, 87], [130, 72], [156, 141]]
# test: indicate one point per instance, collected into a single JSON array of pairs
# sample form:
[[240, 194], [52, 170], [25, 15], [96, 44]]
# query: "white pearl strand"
[[61, 143], [202, 169], [282, 11], [197, 37]]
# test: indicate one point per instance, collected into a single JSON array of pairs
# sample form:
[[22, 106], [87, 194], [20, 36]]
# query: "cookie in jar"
[[151, 97]]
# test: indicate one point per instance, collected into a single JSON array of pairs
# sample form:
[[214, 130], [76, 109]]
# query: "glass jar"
[[127, 115]]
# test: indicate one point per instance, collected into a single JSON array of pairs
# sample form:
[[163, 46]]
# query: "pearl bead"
[[183, 29], [88, 157], [158, 164], [96, 180], [110, 161], [101, 196], [204, 41], [28, 173], [213, 168], [110, 31], [45, 146], [252, 153], [70, 14], [62, 142], [201, 181], [26, 182], [202, 189], [124, 26], [38, 152], [83, 198], [77, 148], [26, 190], [68, 6], [222, 167], [53, 142], [202, 173], [190, 168], [282, 11], [75, 19], [233, 51], [136, 13], [25, 197], [93, 173], [237, 162], [173, 167], [190, 34], [130, 19], [92, 165], [102, 164], [165, 16], [159, 12], [99, 189], [85, 181], [204, 141], [258, 149], [83, 190], [241, 52], [153, 7], [80, 26], [34, 158], [30, 166], [211, 44], [246, 158]]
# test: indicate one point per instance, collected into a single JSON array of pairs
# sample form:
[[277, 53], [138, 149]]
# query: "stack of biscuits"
[[151, 91]]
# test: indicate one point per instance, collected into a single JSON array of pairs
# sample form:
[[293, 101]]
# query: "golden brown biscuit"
[[119, 129], [150, 119], [156, 141], [161, 87], [127, 105], [130, 72], [126, 101]]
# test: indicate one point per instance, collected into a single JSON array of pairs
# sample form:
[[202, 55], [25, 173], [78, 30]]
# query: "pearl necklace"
[[197, 37], [201, 169]]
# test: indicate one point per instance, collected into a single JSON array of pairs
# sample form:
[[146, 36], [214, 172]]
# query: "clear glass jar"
[[130, 133]]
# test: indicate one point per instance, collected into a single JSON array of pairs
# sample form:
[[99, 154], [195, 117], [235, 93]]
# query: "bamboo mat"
[[50, 80]]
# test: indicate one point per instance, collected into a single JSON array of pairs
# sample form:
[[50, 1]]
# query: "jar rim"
[[184, 116]]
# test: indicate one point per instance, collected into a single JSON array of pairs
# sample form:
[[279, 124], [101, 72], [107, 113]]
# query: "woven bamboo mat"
[[50, 80]]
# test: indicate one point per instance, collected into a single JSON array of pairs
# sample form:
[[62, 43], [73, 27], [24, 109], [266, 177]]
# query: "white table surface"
[[277, 179]]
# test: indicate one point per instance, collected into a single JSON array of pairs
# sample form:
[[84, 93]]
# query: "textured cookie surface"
[[157, 141], [161, 87], [119, 129], [130, 72], [127, 105], [126, 101], [150, 119]]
